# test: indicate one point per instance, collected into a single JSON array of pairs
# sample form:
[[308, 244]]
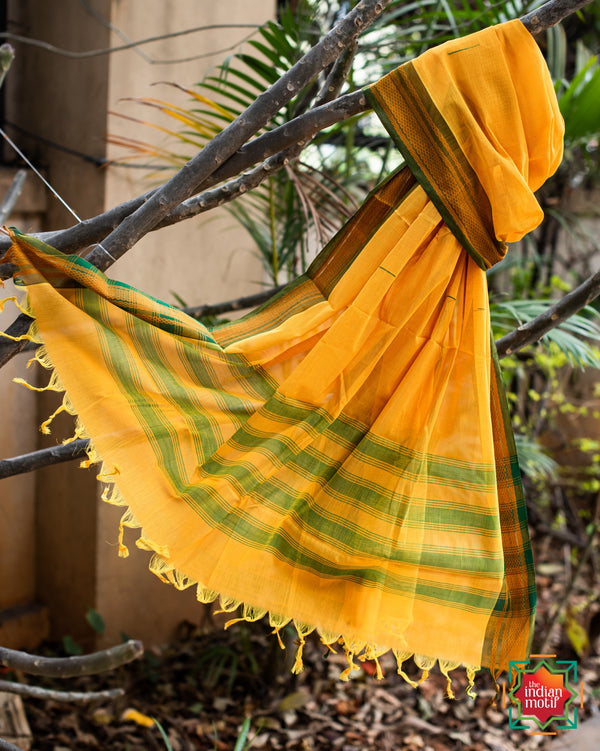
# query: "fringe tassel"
[[401, 658], [471, 676], [445, 667], [345, 675], [276, 633], [28, 337], [298, 665]]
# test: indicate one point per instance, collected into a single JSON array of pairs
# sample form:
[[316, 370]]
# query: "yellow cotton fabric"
[[341, 458]]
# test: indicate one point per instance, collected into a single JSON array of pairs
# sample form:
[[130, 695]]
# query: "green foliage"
[[164, 736], [96, 621], [534, 461], [580, 100], [408, 29], [241, 743], [71, 647]]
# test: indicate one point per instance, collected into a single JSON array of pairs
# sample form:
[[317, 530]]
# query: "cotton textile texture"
[[341, 457]]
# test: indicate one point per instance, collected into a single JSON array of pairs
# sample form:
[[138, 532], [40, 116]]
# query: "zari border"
[[435, 158]]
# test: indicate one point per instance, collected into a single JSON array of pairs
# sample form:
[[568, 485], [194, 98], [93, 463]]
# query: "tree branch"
[[86, 54], [550, 14], [35, 692], [69, 667], [18, 465], [6, 746], [301, 129], [535, 329], [241, 303]]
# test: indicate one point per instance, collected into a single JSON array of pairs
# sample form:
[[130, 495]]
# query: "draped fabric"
[[342, 457]]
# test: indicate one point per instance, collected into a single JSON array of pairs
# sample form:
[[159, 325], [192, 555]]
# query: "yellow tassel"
[[227, 605], [401, 658], [471, 676], [123, 550], [276, 633], [45, 426], [298, 666], [17, 304], [52, 385], [22, 338], [445, 667], [78, 433], [108, 494], [329, 646], [103, 475], [345, 675], [205, 595], [252, 613], [232, 621], [277, 621]]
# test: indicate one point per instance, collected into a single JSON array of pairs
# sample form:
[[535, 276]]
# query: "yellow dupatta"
[[342, 457]]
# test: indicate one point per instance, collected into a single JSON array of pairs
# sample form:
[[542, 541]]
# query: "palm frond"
[[533, 460], [574, 337]]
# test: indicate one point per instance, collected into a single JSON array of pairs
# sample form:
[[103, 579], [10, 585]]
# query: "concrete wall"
[[66, 101], [23, 621]]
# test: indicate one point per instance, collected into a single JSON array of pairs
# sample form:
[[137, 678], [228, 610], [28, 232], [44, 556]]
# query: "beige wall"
[[22, 621], [202, 260]]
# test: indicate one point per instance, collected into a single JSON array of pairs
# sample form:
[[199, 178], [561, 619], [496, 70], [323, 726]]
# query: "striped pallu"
[[342, 457]]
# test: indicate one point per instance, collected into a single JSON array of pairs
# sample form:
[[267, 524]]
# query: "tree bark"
[[69, 667], [47, 694]]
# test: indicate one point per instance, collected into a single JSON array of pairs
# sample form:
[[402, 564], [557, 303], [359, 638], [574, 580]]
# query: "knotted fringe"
[[161, 566]]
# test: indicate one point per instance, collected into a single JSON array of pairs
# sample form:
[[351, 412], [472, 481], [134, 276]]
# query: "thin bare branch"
[[12, 194], [43, 458], [567, 306], [339, 72], [79, 697], [68, 667], [86, 54], [6, 746]]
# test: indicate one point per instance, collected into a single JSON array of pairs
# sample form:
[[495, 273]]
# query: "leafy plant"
[[573, 337], [96, 621], [163, 734]]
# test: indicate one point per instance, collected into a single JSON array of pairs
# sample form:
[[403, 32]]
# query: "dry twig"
[[68, 667], [47, 694]]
